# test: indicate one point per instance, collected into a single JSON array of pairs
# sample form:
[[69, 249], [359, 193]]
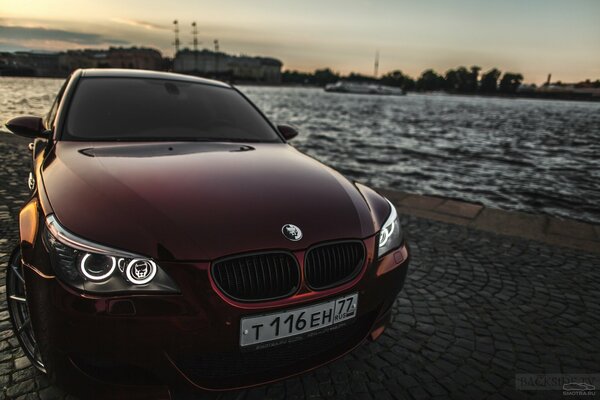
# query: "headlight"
[[390, 236], [99, 269]]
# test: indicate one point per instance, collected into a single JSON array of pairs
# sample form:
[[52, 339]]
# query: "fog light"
[[377, 332], [388, 262], [140, 271]]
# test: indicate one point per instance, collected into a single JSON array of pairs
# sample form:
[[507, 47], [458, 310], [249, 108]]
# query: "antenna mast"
[[216, 43], [176, 30], [376, 72], [195, 33], [195, 43]]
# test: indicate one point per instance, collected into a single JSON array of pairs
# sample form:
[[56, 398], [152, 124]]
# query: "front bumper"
[[191, 340]]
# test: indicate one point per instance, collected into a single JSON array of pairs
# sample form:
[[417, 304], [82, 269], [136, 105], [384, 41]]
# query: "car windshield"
[[143, 109]]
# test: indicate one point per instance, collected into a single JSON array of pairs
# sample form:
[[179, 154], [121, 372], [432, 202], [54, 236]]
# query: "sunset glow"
[[534, 37]]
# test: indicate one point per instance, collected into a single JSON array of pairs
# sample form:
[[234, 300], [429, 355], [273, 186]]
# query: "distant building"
[[224, 66], [114, 57], [582, 89], [22, 63], [73, 59], [136, 57], [202, 63], [527, 88]]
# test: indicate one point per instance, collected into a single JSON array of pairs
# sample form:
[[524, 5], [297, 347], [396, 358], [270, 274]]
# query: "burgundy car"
[[174, 241]]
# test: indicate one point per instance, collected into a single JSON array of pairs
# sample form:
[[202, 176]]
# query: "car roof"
[[142, 73]]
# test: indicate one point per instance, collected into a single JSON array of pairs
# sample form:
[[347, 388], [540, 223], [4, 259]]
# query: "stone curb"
[[543, 228], [477, 309]]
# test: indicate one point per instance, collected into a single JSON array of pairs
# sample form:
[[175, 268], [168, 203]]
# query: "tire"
[[16, 299]]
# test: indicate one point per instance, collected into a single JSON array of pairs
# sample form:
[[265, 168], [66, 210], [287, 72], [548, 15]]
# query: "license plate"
[[285, 324]]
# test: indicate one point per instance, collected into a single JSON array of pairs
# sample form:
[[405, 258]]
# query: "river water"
[[538, 156]]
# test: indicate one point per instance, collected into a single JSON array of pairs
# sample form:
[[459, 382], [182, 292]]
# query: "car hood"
[[200, 201]]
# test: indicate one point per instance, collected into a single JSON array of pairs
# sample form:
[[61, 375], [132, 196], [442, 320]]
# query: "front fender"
[[31, 224], [379, 207]]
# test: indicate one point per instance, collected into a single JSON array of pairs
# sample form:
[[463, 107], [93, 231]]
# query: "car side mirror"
[[287, 131], [28, 126]]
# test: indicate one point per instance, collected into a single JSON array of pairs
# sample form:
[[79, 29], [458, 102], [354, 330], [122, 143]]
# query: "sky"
[[533, 37]]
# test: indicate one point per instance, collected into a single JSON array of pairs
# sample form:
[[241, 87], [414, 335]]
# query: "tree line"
[[459, 80]]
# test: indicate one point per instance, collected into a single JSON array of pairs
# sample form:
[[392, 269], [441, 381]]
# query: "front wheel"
[[16, 297]]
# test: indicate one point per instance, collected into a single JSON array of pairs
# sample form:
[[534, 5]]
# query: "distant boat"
[[363, 88]]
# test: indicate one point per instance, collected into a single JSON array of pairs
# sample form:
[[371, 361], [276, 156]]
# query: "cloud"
[[138, 23], [6, 46], [27, 33]]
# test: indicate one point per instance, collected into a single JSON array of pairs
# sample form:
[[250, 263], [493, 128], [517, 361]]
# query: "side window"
[[49, 120], [51, 116]]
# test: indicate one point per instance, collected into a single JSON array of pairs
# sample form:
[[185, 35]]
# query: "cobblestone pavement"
[[477, 309]]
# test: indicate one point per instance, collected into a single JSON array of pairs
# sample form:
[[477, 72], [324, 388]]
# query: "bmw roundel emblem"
[[292, 232]]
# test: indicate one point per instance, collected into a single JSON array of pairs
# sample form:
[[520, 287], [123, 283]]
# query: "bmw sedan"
[[173, 240]]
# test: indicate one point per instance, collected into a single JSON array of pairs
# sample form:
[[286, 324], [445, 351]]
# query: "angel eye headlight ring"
[[92, 275], [140, 271]]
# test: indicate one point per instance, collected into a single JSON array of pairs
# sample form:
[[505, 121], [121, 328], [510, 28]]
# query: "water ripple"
[[537, 156]]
